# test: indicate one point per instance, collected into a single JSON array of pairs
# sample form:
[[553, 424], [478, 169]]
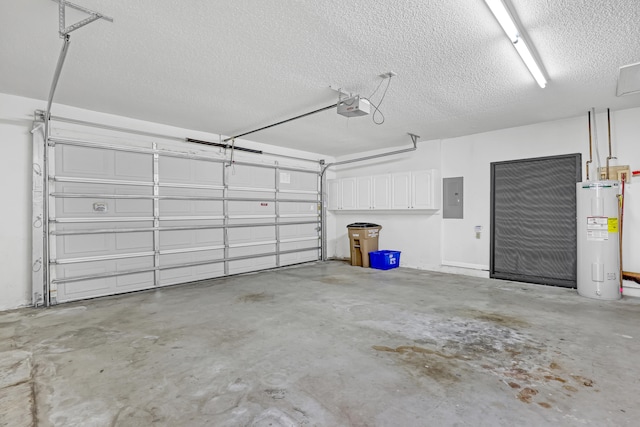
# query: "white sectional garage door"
[[132, 216]]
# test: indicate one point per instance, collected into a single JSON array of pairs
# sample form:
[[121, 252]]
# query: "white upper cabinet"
[[401, 190], [381, 191], [334, 194], [372, 192], [363, 193], [348, 193], [398, 191], [422, 192]]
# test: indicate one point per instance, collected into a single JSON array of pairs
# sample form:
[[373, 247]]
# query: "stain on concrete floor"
[[255, 297]]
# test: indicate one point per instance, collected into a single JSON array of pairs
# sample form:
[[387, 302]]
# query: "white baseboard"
[[462, 269], [465, 265]]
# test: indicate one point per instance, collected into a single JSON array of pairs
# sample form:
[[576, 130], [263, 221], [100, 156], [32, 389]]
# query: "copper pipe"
[[609, 126], [590, 147]]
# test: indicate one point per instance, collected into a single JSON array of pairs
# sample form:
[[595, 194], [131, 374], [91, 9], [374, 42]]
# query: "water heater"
[[598, 249]]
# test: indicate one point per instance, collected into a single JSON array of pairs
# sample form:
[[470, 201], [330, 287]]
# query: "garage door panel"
[[209, 237], [267, 195], [267, 220], [301, 230], [174, 207], [174, 169], [252, 250], [137, 280], [251, 176], [300, 196], [195, 221], [83, 161], [208, 207], [71, 289], [251, 208], [209, 270], [77, 206], [102, 243], [133, 166], [190, 207], [186, 171], [302, 244], [302, 256], [85, 289], [294, 180], [134, 282], [103, 266], [94, 244], [207, 172], [103, 188], [298, 208], [191, 274], [134, 241], [176, 275], [251, 234], [104, 286], [128, 207], [101, 207], [190, 238], [248, 265], [298, 258], [198, 192], [190, 257], [89, 207], [106, 224], [176, 239]]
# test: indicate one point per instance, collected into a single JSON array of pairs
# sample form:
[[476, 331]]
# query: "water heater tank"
[[598, 274]]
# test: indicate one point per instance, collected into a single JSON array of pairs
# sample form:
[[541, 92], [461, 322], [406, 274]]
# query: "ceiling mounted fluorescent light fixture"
[[506, 21]]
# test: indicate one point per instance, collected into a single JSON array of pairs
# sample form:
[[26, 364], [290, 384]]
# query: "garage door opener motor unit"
[[354, 107]]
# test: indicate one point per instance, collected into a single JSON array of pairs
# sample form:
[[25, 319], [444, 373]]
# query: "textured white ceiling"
[[232, 66]]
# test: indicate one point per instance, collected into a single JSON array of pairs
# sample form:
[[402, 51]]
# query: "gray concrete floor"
[[325, 344]]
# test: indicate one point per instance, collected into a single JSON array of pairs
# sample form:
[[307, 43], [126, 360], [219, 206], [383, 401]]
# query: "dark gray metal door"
[[533, 219]]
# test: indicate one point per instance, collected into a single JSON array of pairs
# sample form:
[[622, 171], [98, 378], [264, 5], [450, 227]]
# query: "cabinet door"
[[348, 193], [401, 190], [381, 192], [422, 190], [363, 193], [333, 194]]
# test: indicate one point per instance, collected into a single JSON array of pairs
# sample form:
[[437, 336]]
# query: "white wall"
[[452, 242], [15, 211], [16, 118]]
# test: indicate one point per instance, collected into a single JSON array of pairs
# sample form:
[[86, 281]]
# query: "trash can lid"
[[362, 225]]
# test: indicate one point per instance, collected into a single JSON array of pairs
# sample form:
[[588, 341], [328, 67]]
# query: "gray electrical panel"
[[452, 192]]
